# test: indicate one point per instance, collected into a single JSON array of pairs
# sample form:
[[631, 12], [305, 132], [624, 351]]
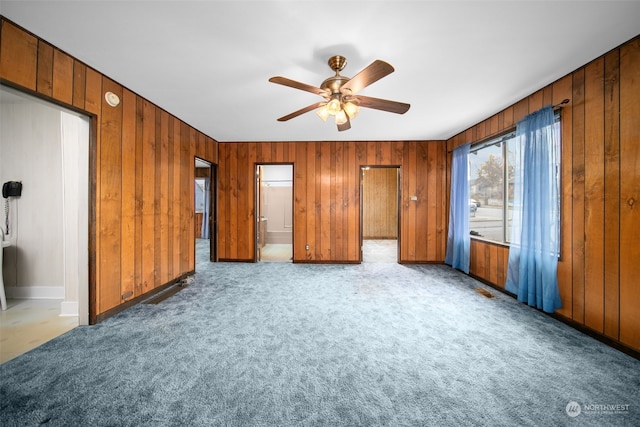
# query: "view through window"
[[491, 176], [491, 189]]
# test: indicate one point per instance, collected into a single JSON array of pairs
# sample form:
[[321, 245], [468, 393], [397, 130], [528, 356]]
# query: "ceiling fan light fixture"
[[333, 107], [323, 113], [351, 109], [341, 117]]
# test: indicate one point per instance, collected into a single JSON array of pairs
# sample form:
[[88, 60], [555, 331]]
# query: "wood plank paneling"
[[352, 208], [186, 200], [110, 202], [245, 185], [93, 93], [327, 196], [62, 77], [175, 198], [337, 197], [157, 191], [44, 79], [138, 171], [300, 202], [594, 196], [422, 227], [79, 84], [190, 202], [600, 177], [612, 194], [19, 59], [562, 89], [148, 196], [577, 196], [162, 191], [630, 193], [128, 191]]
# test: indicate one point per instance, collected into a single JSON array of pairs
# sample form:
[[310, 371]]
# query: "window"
[[491, 175], [487, 168]]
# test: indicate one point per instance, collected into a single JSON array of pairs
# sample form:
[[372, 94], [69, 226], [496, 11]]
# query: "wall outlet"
[[307, 247]]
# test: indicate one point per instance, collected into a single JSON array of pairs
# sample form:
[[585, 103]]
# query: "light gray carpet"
[[281, 344]]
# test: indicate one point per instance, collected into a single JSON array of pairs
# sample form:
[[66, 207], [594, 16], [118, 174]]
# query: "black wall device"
[[11, 189]]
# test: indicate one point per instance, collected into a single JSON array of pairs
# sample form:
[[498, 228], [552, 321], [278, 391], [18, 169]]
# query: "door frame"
[[398, 168], [257, 207], [213, 208]]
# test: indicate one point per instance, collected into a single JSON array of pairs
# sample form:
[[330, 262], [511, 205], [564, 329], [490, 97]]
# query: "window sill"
[[491, 242]]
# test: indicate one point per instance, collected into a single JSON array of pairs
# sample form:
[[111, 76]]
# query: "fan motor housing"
[[333, 84]]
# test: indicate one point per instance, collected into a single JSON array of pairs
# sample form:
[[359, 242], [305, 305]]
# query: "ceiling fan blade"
[[297, 85], [301, 111], [370, 74], [345, 126], [382, 104]]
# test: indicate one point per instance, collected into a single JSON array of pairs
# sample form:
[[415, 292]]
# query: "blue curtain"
[[458, 241], [533, 253], [204, 232]]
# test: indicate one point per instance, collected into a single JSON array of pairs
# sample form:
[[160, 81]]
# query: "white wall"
[[48, 223], [30, 152]]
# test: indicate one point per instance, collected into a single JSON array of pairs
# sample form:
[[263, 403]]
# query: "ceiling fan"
[[340, 93]]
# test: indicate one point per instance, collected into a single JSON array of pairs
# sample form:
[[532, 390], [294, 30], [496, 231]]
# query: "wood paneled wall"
[[327, 197], [380, 203], [142, 165], [599, 269]]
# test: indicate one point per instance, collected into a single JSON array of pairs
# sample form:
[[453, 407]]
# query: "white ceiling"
[[208, 62]]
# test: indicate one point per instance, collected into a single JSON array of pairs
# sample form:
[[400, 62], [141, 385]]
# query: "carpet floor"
[[282, 344]]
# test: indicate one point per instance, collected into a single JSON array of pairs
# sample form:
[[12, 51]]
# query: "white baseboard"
[[69, 308], [35, 292]]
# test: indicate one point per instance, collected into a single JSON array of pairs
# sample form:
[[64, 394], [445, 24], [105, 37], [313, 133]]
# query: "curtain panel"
[[533, 253], [458, 240]]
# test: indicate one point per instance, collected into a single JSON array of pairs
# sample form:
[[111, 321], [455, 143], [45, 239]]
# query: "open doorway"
[[46, 256], [379, 209], [205, 230], [274, 212]]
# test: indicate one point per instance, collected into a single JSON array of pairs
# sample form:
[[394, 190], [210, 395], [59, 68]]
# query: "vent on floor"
[[166, 294], [485, 293]]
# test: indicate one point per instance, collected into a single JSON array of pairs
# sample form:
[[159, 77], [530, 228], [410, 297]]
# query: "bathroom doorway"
[[379, 213], [274, 213]]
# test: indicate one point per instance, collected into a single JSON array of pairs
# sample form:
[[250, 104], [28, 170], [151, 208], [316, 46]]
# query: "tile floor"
[[28, 323], [272, 252]]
